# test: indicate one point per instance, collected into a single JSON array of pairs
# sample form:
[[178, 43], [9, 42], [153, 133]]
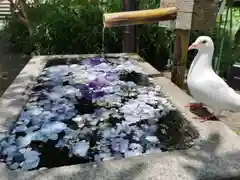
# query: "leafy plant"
[[75, 26]]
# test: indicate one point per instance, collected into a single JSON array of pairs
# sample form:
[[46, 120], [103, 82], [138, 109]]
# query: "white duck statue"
[[206, 87]]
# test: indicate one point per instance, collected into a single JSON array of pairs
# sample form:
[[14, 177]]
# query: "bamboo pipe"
[[139, 17]]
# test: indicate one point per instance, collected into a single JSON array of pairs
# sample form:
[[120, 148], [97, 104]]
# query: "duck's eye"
[[204, 41]]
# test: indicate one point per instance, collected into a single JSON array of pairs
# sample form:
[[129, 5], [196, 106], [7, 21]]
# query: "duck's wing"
[[218, 93]]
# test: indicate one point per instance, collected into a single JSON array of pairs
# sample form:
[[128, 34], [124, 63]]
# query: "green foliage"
[[154, 42], [76, 27], [226, 53], [62, 27], [72, 28], [17, 34]]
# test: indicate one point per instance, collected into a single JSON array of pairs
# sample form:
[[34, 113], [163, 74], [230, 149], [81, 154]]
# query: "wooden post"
[[191, 14], [129, 32], [180, 57], [183, 26]]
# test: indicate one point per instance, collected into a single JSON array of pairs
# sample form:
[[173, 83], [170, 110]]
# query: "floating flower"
[[98, 109], [81, 148], [92, 61]]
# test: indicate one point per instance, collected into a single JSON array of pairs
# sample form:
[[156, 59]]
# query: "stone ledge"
[[216, 154]]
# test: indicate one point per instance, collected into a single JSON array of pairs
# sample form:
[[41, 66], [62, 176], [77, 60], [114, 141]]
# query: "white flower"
[[81, 148]]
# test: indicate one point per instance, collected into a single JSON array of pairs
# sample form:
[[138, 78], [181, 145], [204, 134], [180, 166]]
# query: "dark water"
[[174, 132]]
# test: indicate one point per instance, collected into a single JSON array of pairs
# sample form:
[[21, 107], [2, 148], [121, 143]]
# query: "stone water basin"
[[88, 108]]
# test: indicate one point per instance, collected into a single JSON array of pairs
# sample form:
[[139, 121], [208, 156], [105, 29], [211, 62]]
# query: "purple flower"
[[98, 83], [98, 94], [112, 76], [92, 61], [84, 89], [98, 112]]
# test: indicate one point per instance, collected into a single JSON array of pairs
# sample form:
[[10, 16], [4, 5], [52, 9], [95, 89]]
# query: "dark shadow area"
[[10, 67], [62, 61], [227, 178], [155, 75], [213, 165], [137, 78], [132, 172], [59, 157], [202, 112], [175, 132], [88, 172], [15, 99]]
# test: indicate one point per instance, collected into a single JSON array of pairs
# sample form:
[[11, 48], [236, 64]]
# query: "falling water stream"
[[103, 45]]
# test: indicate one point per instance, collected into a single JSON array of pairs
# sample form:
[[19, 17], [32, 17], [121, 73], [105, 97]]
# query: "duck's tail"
[[234, 104]]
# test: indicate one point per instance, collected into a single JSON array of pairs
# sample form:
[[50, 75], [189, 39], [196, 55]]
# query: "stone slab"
[[216, 154]]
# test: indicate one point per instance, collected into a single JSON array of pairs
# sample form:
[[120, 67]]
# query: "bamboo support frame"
[[188, 15], [139, 17]]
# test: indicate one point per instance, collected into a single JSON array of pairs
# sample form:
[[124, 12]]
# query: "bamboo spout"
[[139, 17]]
